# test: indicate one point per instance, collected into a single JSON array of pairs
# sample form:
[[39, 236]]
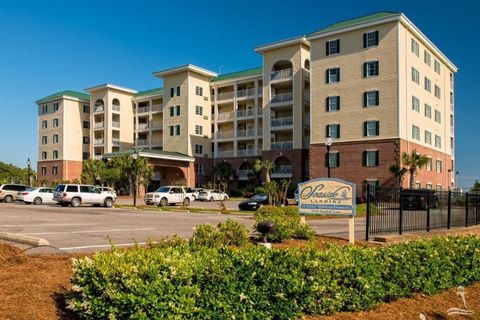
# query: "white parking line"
[[88, 231], [49, 225], [103, 246]]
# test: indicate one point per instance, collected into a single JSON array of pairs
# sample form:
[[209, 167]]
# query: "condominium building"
[[375, 85]]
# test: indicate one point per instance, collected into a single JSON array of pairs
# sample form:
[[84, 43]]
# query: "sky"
[[49, 46]]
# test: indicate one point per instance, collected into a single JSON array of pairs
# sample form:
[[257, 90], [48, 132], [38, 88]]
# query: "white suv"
[[212, 195], [77, 194], [166, 195]]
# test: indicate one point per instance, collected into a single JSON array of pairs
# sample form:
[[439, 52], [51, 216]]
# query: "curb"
[[15, 237]]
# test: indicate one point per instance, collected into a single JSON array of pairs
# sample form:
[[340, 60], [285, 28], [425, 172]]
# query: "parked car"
[[77, 194], [167, 195], [109, 191], [37, 196], [212, 195], [195, 192], [8, 192], [254, 202], [21, 193], [419, 199]]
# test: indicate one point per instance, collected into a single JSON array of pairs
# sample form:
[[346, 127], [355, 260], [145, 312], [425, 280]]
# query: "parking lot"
[[91, 228]]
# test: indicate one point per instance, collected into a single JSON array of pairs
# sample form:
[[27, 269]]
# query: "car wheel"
[[75, 202], [108, 202], [186, 202], [64, 204], [37, 201], [163, 202], [8, 199], [211, 199]]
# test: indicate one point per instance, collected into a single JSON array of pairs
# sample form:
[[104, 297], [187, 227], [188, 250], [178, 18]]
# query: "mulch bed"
[[34, 287]]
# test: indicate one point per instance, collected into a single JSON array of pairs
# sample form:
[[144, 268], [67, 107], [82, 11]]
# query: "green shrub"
[[228, 233], [194, 282], [287, 221], [260, 190]]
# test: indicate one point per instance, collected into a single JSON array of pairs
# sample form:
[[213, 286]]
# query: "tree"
[[414, 162], [136, 171], [266, 165], [92, 170], [476, 186], [11, 173], [223, 171], [398, 172]]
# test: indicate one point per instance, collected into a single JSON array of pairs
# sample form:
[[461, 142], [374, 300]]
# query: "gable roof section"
[[75, 95], [239, 74]]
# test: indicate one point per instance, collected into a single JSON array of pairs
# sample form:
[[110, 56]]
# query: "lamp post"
[[29, 163], [328, 144], [135, 157]]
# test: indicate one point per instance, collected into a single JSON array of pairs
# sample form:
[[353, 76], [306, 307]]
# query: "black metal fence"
[[397, 210]]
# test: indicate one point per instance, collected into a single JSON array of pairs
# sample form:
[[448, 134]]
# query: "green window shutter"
[[338, 159], [338, 102], [364, 40], [326, 76], [327, 48], [338, 45], [365, 94], [377, 160], [365, 129], [338, 130], [376, 38], [377, 98], [326, 104], [364, 158], [327, 132], [377, 127], [338, 73], [377, 68], [365, 70]]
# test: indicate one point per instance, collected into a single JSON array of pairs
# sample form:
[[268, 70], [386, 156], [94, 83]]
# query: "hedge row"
[[183, 281]]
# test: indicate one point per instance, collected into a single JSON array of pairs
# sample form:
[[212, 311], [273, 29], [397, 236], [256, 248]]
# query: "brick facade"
[[67, 170]]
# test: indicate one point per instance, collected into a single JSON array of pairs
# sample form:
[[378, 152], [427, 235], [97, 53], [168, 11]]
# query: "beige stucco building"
[[375, 85]]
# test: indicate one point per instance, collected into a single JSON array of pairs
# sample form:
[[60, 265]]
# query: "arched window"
[[307, 64], [99, 106], [281, 69], [55, 154]]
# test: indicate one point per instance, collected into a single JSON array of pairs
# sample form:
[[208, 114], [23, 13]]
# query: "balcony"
[[282, 172], [246, 153], [142, 142], [225, 95], [99, 142], [157, 126], [224, 154], [281, 74], [244, 113], [244, 174], [224, 134], [224, 116], [116, 108], [157, 108], [282, 98], [143, 109], [98, 109], [284, 145], [116, 142], [99, 125], [281, 122], [246, 93], [157, 142], [243, 133], [142, 126], [98, 157], [116, 124]]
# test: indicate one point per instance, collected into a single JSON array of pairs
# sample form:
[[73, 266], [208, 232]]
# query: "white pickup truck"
[[167, 195]]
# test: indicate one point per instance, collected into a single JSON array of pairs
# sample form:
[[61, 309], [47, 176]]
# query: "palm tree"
[[136, 171], [259, 165], [398, 172], [414, 161], [92, 170], [223, 171]]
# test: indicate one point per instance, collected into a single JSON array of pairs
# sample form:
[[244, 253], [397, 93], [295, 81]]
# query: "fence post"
[[466, 209], [400, 213], [367, 226], [428, 211], [449, 209]]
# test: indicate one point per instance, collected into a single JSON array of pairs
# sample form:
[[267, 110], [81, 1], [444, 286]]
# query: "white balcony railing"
[[143, 126], [282, 170], [246, 152], [157, 108], [116, 108], [225, 116], [245, 133], [99, 142], [97, 157], [281, 74], [143, 109], [242, 113], [224, 134], [244, 174], [142, 142], [281, 122], [225, 95], [285, 145], [98, 109], [116, 142], [224, 154], [116, 124], [98, 125], [283, 97], [246, 92]]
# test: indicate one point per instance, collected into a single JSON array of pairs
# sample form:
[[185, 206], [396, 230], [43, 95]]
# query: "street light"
[[135, 157], [328, 144], [29, 163]]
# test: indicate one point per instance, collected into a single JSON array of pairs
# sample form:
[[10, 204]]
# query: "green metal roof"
[[154, 91], [239, 74], [146, 152], [69, 93], [356, 21]]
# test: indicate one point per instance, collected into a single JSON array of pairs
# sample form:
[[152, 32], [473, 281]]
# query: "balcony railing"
[[116, 124], [285, 145], [225, 116], [283, 97], [244, 174], [142, 142], [242, 113], [157, 108], [224, 134], [157, 142], [245, 133], [99, 142], [246, 152], [281, 122], [225, 95], [116, 108], [224, 154], [143, 126], [281, 74], [143, 109], [98, 125], [116, 142], [282, 170], [98, 109], [157, 126], [246, 92], [97, 157]]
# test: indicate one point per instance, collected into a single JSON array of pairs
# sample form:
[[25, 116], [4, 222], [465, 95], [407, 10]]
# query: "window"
[[452, 122], [86, 124], [370, 39], [429, 186], [333, 47], [415, 104], [86, 140], [371, 128], [199, 91], [371, 98], [415, 132], [428, 111], [72, 189], [177, 129], [333, 103], [172, 130], [437, 92], [333, 159], [370, 158], [198, 129], [86, 109], [436, 66], [438, 116], [415, 76], [427, 58], [55, 154], [44, 124], [428, 85], [439, 166], [438, 188], [172, 92], [44, 140], [429, 164], [55, 106], [199, 149], [415, 48], [55, 138], [438, 141], [178, 91], [428, 137], [199, 110], [172, 111], [370, 69], [55, 122], [199, 168], [177, 109], [333, 130], [54, 170], [44, 155], [85, 155], [44, 171], [44, 109], [333, 75]]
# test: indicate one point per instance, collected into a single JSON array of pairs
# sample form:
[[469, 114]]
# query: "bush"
[[252, 282], [260, 190], [236, 193], [287, 221], [228, 233]]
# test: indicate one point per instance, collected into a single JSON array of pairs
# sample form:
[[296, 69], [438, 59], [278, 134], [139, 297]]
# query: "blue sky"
[[48, 46]]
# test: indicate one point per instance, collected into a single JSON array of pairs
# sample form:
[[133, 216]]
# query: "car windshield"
[[259, 197], [59, 188], [163, 189]]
